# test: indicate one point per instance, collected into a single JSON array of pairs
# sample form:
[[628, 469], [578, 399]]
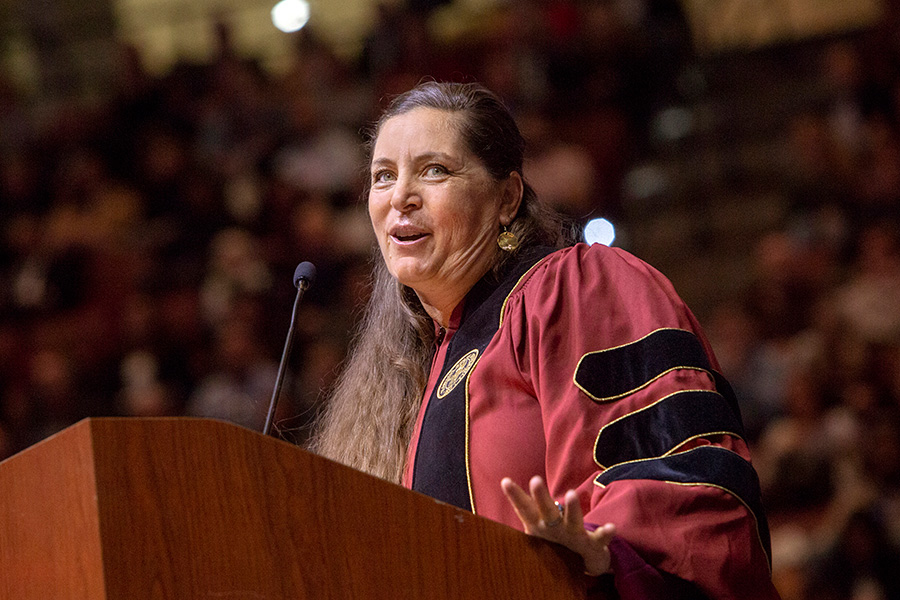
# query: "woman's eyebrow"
[[418, 158], [382, 161]]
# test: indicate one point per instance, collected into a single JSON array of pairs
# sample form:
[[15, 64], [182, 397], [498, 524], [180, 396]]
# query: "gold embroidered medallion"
[[457, 373]]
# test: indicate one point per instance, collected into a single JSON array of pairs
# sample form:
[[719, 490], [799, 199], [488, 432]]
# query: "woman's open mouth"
[[409, 238], [407, 234]]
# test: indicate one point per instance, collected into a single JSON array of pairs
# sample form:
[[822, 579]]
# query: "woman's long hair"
[[369, 418]]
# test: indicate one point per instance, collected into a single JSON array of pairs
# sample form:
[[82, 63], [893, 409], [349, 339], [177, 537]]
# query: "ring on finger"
[[559, 517]]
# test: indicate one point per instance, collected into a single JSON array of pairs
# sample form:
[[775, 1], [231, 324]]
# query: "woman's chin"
[[410, 273]]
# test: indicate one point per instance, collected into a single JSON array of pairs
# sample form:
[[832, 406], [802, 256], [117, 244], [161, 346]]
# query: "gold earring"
[[507, 240]]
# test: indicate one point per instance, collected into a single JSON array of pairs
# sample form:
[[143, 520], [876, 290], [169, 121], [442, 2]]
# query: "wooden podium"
[[121, 508]]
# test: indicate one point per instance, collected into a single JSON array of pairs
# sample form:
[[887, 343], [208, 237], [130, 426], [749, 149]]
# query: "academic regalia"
[[584, 366]]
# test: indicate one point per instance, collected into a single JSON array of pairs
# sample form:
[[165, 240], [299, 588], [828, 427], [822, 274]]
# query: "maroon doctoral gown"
[[585, 367]]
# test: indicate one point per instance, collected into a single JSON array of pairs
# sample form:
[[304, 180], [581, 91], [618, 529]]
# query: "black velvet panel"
[[705, 465], [663, 426], [440, 469], [617, 372]]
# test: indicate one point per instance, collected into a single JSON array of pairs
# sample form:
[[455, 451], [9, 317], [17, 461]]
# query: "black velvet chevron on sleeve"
[[658, 429], [611, 374], [705, 465]]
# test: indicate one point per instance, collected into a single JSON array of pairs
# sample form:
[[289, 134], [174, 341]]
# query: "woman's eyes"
[[386, 176], [436, 171], [382, 176]]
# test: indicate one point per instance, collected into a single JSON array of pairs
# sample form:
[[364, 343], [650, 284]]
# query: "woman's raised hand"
[[562, 523]]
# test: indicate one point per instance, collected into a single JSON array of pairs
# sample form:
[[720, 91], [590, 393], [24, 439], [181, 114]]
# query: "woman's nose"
[[405, 196]]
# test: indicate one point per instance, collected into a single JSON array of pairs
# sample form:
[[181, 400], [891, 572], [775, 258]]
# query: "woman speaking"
[[566, 391]]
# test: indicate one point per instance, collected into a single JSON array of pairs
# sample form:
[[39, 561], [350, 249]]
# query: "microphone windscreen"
[[305, 270]]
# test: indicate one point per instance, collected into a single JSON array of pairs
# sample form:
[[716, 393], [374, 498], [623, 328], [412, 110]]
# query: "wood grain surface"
[[179, 508]]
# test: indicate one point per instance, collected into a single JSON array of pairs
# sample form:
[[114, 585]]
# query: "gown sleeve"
[[637, 418]]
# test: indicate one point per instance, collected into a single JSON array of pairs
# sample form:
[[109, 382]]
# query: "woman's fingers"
[[551, 513], [573, 510], [538, 511], [562, 523], [597, 561], [522, 503], [603, 535]]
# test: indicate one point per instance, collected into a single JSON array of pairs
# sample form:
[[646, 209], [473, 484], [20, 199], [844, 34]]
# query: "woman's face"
[[435, 208]]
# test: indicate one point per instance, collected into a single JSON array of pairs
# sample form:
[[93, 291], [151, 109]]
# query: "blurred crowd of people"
[[813, 346], [148, 243]]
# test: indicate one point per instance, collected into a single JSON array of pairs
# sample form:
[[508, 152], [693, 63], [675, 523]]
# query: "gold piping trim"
[[712, 485], [472, 370], [643, 337], [468, 435], [637, 389], [515, 287], [645, 384], [674, 449], [651, 405], [739, 499], [670, 453]]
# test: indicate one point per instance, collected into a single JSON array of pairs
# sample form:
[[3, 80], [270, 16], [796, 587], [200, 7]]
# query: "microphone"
[[304, 276]]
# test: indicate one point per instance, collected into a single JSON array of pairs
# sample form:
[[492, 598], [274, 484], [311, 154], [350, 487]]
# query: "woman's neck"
[[440, 313], [440, 301]]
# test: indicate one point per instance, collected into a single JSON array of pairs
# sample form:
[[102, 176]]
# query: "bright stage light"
[[290, 15], [599, 231]]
